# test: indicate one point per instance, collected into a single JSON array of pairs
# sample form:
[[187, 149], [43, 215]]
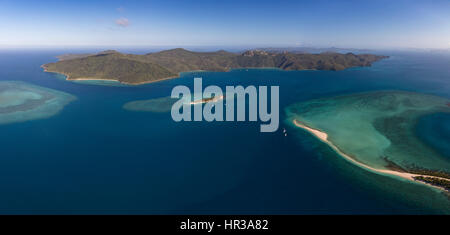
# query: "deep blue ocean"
[[96, 157]]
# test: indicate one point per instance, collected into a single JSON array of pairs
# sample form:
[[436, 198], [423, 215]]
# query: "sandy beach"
[[91, 79], [215, 99], [324, 138], [102, 79]]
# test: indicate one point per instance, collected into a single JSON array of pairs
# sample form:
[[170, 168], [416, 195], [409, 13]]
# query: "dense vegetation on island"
[[435, 181], [135, 69]]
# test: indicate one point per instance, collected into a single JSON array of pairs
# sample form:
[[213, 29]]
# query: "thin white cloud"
[[123, 22], [120, 9]]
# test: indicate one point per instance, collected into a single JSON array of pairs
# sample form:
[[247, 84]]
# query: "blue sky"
[[351, 23]]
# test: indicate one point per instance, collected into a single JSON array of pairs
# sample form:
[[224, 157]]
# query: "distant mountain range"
[[137, 69], [315, 50]]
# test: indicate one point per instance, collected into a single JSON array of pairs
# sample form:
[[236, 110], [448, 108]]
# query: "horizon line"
[[111, 47]]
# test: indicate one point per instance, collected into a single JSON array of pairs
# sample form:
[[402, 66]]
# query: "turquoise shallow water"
[[377, 128], [96, 157], [21, 102]]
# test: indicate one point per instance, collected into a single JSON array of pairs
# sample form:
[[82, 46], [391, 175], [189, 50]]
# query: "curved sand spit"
[[324, 138]]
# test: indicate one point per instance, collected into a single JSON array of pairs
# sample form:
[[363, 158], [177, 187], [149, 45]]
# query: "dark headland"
[[152, 67]]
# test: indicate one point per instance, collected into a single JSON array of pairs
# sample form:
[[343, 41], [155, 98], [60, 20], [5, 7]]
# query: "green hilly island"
[[138, 69]]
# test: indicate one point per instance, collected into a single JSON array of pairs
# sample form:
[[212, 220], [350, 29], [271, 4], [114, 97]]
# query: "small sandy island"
[[208, 100]]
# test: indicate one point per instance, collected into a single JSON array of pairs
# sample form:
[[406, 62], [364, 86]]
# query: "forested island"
[[138, 69]]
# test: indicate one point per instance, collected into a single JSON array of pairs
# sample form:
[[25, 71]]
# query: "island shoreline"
[[323, 137], [106, 79], [169, 64]]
